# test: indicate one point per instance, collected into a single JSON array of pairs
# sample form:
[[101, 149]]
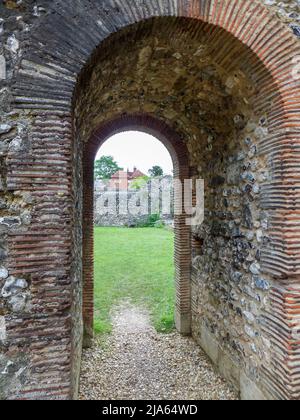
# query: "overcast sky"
[[138, 149]]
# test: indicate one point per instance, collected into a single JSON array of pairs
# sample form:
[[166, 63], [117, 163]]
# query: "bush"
[[152, 221]]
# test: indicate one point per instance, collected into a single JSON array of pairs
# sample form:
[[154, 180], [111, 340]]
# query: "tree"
[[106, 167], [156, 171]]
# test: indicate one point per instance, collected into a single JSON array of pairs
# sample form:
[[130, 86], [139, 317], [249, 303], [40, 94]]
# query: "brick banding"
[[54, 61]]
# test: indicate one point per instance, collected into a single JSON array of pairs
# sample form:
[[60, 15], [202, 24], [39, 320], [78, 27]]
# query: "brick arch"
[[44, 88], [179, 154], [145, 123]]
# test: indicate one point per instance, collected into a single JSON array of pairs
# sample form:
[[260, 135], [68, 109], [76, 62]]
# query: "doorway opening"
[[134, 231], [136, 220], [92, 240]]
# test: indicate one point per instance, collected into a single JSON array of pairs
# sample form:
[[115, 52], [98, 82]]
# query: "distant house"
[[121, 180]]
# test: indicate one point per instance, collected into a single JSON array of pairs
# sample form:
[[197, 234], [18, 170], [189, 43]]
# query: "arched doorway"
[[229, 66], [182, 256]]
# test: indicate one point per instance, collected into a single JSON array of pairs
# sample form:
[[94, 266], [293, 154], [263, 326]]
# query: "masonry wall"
[[230, 293], [236, 110], [134, 207]]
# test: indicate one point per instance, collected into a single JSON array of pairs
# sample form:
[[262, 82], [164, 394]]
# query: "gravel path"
[[137, 363]]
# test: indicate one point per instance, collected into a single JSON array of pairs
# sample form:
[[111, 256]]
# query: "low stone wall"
[[134, 207]]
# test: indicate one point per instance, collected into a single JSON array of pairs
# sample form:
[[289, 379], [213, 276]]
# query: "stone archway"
[[182, 257], [249, 92]]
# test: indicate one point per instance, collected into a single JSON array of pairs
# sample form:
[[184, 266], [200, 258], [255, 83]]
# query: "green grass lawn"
[[137, 265]]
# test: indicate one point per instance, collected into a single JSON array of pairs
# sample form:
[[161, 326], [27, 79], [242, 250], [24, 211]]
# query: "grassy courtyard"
[[135, 265]]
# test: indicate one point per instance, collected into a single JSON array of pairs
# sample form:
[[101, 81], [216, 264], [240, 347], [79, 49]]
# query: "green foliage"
[[139, 183], [156, 171], [159, 224], [102, 326], [150, 222], [106, 167], [153, 219], [166, 324], [135, 265]]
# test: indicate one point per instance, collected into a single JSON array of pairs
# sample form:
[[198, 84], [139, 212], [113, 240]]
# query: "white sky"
[[133, 148]]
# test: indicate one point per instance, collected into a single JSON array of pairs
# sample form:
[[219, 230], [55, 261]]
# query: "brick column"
[[88, 249], [182, 259]]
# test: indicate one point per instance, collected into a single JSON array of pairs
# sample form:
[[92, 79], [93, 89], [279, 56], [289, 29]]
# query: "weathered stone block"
[[18, 303], [249, 390], [2, 67], [2, 328], [13, 286], [209, 344], [229, 369], [3, 273], [10, 221], [5, 128]]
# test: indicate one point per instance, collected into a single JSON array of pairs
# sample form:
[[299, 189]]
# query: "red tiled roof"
[[127, 174], [136, 174]]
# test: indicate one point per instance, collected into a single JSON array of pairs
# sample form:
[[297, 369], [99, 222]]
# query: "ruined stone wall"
[[230, 292], [245, 265], [35, 302], [212, 111], [133, 208]]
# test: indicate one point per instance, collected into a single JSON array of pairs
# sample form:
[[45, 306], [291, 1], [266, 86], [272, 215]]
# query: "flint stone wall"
[[243, 308]]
